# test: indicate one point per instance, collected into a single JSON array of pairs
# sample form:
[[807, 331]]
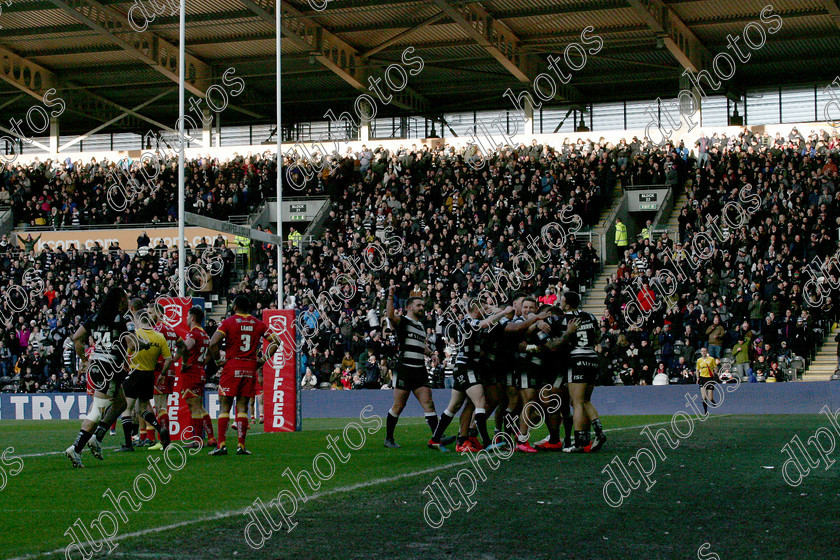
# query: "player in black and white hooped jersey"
[[106, 368], [553, 371], [467, 381], [411, 375], [521, 382], [580, 336]]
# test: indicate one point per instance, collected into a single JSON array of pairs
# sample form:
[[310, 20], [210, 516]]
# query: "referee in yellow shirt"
[[140, 382], [706, 366]]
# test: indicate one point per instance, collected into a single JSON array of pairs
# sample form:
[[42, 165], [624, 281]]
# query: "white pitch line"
[[49, 453], [341, 489]]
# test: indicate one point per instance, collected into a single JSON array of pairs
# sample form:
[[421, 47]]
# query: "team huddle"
[[522, 363], [130, 365]]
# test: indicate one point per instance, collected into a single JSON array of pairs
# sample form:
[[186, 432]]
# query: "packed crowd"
[[68, 194], [454, 226], [744, 297], [63, 289]]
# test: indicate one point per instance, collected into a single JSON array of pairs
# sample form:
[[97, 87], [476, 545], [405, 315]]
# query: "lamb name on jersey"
[[243, 335]]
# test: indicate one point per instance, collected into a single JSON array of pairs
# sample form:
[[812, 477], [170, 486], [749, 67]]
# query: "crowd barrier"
[[757, 398]]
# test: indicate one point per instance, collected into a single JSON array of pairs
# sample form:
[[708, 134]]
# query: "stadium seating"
[[456, 223]]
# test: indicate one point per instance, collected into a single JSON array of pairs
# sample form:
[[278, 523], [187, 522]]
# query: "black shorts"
[[140, 385], [106, 376], [703, 380], [494, 368], [524, 378], [492, 374], [583, 369], [409, 379], [464, 379]]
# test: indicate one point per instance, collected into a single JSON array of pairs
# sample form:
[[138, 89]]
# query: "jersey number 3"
[[246, 343]]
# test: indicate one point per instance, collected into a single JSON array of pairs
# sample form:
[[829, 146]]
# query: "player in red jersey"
[[164, 384], [243, 334], [193, 350]]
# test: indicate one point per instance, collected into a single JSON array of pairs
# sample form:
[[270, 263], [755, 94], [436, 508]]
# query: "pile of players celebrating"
[[523, 363]]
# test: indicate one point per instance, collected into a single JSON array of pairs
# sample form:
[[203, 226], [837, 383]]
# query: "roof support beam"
[[494, 36], [341, 58], [147, 47], [338, 56], [399, 36], [113, 120], [679, 39], [833, 11], [502, 44], [24, 139], [29, 77]]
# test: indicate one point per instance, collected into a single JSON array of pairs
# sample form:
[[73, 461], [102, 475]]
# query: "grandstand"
[[675, 162]]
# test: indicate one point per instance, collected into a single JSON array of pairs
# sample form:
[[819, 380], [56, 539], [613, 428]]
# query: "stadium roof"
[[472, 51]]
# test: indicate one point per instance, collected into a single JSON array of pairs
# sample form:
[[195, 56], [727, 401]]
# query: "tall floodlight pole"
[[181, 160], [279, 169]]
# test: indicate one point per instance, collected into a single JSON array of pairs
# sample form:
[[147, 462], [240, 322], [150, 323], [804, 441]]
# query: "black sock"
[[567, 429], [390, 424], [152, 420], [127, 428], [500, 419], [100, 432], [432, 421], [473, 432], [135, 428], [461, 439], [445, 420], [481, 426], [581, 438], [81, 440], [596, 425], [705, 408], [507, 428], [554, 434]]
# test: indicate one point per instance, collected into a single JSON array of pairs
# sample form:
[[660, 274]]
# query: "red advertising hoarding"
[[175, 311], [280, 374]]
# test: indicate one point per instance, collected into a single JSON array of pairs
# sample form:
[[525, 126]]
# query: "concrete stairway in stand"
[[825, 361]]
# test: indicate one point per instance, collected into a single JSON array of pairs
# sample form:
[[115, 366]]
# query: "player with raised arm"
[[139, 384], [467, 382], [193, 351], [492, 368], [410, 375], [243, 334], [105, 368], [164, 381]]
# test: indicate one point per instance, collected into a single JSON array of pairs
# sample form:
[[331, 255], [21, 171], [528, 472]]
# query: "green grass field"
[[712, 489]]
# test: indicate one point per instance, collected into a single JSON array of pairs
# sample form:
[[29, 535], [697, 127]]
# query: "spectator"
[[372, 374], [741, 352], [309, 381], [715, 333]]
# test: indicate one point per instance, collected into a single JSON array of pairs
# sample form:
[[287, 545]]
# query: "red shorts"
[[164, 384], [191, 386], [238, 379]]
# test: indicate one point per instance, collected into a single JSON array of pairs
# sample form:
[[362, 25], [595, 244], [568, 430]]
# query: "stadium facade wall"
[[779, 398]]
